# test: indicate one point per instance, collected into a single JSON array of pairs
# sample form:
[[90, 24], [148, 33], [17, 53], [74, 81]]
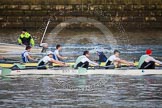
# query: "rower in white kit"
[[116, 60], [83, 61], [42, 64]]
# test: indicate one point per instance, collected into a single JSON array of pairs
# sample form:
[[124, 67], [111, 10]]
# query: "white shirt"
[[84, 59], [56, 52], [149, 58], [45, 59], [113, 58]]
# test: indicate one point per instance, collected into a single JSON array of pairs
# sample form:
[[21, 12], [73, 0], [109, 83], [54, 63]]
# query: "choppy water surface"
[[90, 91]]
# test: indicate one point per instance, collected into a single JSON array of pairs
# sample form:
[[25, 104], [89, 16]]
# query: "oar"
[[18, 66], [5, 72], [45, 31], [102, 67], [9, 60]]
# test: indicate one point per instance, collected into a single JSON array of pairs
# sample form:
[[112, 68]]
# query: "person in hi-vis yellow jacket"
[[26, 39]]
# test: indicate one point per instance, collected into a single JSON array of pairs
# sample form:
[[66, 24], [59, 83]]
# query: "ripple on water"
[[81, 91]]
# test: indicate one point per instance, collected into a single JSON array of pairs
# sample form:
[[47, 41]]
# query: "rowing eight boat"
[[79, 72], [8, 65]]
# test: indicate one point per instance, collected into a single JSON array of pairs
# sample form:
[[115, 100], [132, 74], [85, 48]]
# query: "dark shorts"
[[83, 65], [109, 63], [148, 65], [41, 65]]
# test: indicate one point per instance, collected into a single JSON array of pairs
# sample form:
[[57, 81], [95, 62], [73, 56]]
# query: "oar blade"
[[5, 72], [82, 70], [17, 66]]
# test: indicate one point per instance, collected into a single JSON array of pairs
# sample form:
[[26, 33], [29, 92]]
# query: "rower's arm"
[[30, 58], [19, 40], [58, 62], [32, 42], [60, 57], [124, 62], [156, 61], [91, 62]]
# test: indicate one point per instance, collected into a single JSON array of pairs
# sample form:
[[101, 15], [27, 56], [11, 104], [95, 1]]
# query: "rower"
[[102, 56], [83, 61], [44, 47], [57, 55], [49, 59], [115, 60], [26, 55], [148, 62], [26, 39]]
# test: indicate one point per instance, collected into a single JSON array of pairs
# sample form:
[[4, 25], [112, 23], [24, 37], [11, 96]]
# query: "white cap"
[[49, 52]]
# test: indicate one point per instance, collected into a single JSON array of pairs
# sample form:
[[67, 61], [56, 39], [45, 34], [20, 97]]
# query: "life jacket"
[[55, 57], [25, 38], [102, 57], [24, 58]]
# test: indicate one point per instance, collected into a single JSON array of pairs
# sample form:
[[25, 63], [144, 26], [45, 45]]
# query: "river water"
[[91, 91]]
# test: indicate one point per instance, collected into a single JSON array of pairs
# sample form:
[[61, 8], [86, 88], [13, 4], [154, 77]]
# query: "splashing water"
[[108, 36]]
